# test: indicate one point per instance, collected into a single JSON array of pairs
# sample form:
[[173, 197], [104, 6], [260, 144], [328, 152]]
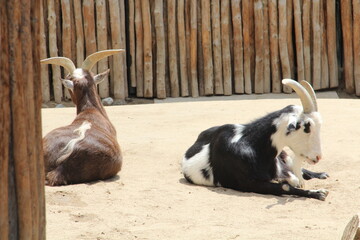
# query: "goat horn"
[[62, 61], [311, 92], [92, 59], [304, 96]]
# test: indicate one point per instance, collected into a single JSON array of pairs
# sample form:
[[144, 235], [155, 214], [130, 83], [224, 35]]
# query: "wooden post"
[[44, 68], [352, 230], [132, 45], [148, 73], [89, 29], [207, 48], [193, 49], [238, 50], [266, 41], [299, 41], [216, 44], [172, 37], [53, 49], [200, 50], [356, 37], [290, 41], [21, 163], [79, 33], [324, 58], [123, 46], [331, 43], [284, 56], [259, 47], [316, 44], [160, 50], [66, 36], [307, 39], [247, 45], [139, 50], [225, 45], [101, 32], [347, 30], [182, 48], [274, 46]]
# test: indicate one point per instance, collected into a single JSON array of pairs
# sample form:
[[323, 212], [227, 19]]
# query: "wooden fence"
[[204, 47]]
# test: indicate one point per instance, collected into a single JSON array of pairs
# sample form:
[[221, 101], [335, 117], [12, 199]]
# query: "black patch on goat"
[[188, 179], [307, 127], [205, 173]]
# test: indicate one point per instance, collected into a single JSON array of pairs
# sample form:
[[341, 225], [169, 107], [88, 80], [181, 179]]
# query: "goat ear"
[[101, 76], [293, 124], [68, 84]]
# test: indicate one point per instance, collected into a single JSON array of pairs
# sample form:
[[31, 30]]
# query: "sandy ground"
[[149, 199]]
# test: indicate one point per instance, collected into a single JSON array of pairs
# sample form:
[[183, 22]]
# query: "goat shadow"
[[112, 179], [281, 200]]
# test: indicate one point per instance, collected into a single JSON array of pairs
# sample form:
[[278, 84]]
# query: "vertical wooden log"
[[182, 48], [216, 45], [79, 33], [173, 68], [290, 41], [259, 47], [347, 30], [246, 9], [73, 32], [57, 86], [237, 47], [187, 34], [139, 50], [225, 45], [132, 45], [356, 37], [193, 49], [316, 44], [324, 58], [267, 70], [167, 70], [284, 56], [89, 29], [331, 42], [66, 35], [274, 46], [123, 46], [43, 54], [299, 41], [307, 39], [200, 51], [207, 48], [118, 82], [101, 32], [160, 50]]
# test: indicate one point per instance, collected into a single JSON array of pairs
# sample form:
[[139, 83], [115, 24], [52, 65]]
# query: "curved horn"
[[304, 96], [92, 59], [62, 61], [311, 92]]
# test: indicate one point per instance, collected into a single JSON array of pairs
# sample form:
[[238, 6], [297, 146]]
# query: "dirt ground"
[[150, 199]]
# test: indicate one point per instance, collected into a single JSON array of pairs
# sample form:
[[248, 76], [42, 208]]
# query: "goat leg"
[[307, 174]]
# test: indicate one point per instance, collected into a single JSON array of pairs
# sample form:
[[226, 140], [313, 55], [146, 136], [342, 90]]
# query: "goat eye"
[[307, 127]]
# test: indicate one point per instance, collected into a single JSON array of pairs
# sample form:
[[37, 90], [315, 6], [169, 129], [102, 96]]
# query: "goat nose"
[[318, 157]]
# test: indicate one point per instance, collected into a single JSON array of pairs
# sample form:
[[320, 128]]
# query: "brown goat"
[[87, 149]]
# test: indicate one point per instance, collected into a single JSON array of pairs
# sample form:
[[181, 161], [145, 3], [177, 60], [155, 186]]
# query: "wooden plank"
[[284, 56], [148, 71], [316, 32], [43, 54], [118, 81], [172, 45], [306, 21], [89, 29], [290, 41], [259, 47], [324, 58], [160, 50], [207, 48], [216, 46], [187, 37], [53, 50], [123, 46], [274, 47], [139, 50], [182, 48], [238, 50], [101, 32], [200, 51], [356, 37], [246, 9], [193, 49], [347, 30], [299, 40], [79, 33], [132, 45], [331, 43], [266, 41], [66, 36], [225, 45]]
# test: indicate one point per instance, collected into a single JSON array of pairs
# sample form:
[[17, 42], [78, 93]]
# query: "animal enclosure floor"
[[149, 199]]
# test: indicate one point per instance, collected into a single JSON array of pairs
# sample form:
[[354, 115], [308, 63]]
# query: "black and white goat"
[[250, 157]]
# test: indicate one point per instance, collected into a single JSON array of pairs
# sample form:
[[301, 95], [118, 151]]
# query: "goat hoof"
[[322, 194], [323, 175]]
